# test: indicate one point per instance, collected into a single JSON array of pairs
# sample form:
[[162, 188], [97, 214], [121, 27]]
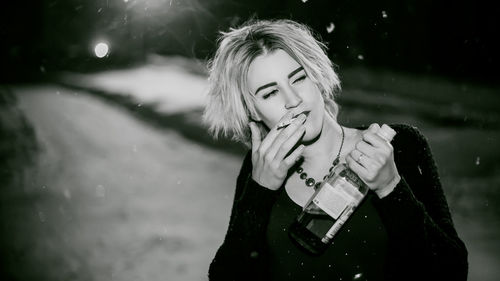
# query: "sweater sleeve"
[[423, 241], [242, 254]]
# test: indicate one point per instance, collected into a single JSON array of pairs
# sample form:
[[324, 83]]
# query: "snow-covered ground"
[[112, 198], [171, 84]]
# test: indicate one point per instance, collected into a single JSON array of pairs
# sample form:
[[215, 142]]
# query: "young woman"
[[267, 74]]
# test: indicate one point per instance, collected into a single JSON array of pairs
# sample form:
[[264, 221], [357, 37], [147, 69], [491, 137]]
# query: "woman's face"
[[279, 84]]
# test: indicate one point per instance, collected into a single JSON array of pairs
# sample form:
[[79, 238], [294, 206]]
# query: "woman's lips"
[[306, 112], [285, 124]]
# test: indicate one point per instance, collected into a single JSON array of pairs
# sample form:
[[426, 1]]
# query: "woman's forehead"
[[269, 67]]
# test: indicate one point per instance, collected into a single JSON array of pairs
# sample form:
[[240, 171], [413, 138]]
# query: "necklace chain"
[[311, 181]]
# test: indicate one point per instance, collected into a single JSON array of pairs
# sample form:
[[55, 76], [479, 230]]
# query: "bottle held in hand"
[[331, 205]]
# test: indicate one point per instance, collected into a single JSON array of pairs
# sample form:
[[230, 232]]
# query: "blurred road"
[[114, 199]]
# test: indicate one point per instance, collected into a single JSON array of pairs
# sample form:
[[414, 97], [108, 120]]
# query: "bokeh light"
[[101, 50]]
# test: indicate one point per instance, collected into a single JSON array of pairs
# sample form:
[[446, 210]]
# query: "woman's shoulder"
[[408, 135], [409, 144]]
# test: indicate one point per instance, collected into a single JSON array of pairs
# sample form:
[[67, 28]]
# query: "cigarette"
[[285, 124]]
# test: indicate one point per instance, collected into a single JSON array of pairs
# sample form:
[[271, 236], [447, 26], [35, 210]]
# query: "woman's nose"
[[292, 99]]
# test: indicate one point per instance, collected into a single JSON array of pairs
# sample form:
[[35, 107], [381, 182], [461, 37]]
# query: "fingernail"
[[302, 117], [299, 158]]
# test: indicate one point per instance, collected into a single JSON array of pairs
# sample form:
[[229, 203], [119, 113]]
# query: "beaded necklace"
[[311, 181]]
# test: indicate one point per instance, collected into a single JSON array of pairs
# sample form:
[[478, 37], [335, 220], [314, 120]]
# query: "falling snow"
[[41, 216], [330, 27], [67, 194], [357, 276], [477, 161], [163, 233], [100, 191]]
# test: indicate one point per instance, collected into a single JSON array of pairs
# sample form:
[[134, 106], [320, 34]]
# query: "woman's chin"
[[311, 136]]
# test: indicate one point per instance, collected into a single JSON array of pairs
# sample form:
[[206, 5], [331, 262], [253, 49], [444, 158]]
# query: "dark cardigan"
[[423, 243]]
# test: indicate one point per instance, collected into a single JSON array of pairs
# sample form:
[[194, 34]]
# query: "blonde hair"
[[230, 104]]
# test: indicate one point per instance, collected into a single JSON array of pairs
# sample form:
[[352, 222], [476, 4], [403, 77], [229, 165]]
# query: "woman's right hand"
[[269, 155]]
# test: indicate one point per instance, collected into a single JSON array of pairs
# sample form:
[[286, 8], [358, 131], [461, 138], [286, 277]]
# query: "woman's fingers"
[[285, 135], [374, 139], [373, 160], [356, 167], [356, 155], [290, 160], [256, 138], [377, 141], [365, 148], [275, 131], [266, 171], [289, 143], [374, 127]]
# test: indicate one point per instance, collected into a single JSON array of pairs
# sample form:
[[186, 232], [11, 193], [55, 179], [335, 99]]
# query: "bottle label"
[[334, 199]]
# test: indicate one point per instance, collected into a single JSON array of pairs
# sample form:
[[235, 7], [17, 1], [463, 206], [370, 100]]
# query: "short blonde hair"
[[230, 104]]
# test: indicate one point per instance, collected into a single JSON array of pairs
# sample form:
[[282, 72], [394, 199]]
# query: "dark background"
[[455, 39]]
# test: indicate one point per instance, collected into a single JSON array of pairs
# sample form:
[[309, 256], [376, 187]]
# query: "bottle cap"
[[386, 132]]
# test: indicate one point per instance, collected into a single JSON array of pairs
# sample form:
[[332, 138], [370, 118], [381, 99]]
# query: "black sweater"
[[423, 243]]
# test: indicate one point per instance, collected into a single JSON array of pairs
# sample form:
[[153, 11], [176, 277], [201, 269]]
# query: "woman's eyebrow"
[[265, 86], [274, 83], [294, 72]]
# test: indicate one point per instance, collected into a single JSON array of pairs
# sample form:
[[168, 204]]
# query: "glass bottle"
[[331, 205]]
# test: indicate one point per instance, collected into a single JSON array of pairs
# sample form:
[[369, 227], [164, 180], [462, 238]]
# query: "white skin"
[[282, 90]]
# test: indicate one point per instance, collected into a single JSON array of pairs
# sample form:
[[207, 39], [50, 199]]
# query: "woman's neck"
[[325, 148]]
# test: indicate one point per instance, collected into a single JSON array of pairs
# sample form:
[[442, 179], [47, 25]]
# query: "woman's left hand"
[[373, 161]]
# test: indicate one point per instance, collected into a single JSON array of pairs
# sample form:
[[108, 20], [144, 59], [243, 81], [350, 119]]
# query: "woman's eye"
[[301, 78], [272, 93]]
